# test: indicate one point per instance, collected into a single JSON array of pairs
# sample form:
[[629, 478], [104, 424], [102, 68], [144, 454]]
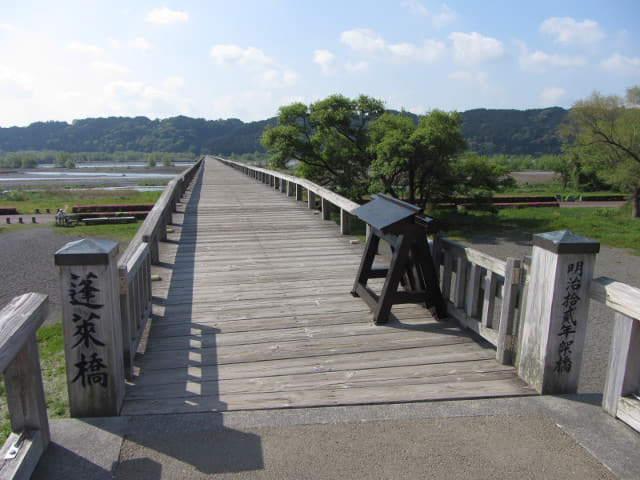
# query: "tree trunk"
[[635, 202]]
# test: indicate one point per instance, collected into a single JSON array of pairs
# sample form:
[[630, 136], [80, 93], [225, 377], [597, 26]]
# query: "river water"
[[94, 175]]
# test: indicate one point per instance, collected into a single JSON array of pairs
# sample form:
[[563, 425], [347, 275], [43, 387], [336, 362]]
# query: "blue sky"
[[243, 59]]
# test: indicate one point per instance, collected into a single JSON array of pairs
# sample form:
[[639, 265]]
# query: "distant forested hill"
[[513, 132], [177, 134], [529, 132]]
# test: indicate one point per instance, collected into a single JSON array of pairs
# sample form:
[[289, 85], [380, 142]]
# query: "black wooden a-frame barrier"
[[403, 226]]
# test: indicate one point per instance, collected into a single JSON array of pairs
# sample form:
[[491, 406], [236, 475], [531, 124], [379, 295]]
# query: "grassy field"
[[53, 198], [613, 227]]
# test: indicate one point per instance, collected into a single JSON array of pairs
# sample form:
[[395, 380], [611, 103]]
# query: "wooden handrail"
[[134, 265], [472, 297], [623, 371], [619, 296], [345, 205], [20, 365]]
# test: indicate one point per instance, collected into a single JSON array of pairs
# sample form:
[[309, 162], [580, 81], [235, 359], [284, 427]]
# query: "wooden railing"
[[621, 396], [20, 366], [134, 265], [296, 186], [482, 293]]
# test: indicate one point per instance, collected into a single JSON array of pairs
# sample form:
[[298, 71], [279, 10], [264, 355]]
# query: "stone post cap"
[[565, 241], [86, 251]]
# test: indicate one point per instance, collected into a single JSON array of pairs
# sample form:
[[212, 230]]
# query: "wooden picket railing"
[[134, 265], [296, 186], [20, 366], [621, 396], [482, 293]]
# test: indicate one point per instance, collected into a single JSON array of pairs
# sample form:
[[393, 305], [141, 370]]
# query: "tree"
[[604, 134], [329, 139], [64, 160], [420, 159]]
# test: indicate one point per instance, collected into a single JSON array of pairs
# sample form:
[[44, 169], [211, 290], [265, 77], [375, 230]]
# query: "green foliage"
[[421, 158], [64, 160], [613, 227], [28, 199], [602, 141], [329, 140], [513, 132]]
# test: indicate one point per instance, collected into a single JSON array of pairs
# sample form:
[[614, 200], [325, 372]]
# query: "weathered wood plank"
[[254, 311]]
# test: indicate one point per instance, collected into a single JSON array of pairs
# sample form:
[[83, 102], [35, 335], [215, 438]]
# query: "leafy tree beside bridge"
[[330, 140], [603, 137], [355, 147]]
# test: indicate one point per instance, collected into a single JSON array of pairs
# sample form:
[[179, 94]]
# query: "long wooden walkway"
[[254, 311]]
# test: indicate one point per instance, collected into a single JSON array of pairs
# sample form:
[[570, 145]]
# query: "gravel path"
[[27, 264]]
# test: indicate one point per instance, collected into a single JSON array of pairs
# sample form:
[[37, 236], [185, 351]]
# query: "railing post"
[[345, 222], [556, 311], [311, 199], [505, 348], [91, 327], [326, 208], [298, 192], [623, 374]]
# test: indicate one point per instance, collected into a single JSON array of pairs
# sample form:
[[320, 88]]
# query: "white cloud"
[[109, 67], [369, 43], [250, 105], [173, 83], [7, 27], [479, 77], [472, 48], [137, 98], [230, 54], [267, 73], [165, 16], [273, 78], [415, 7], [540, 62], [326, 60], [551, 95], [444, 17], [439, 18], [16, 80], [113, 42], [354, 67], [86, 48], [568, 31], [621, 65], [140, 44]]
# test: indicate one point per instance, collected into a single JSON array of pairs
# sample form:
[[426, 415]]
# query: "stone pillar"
[[556, 311], [91, 327]]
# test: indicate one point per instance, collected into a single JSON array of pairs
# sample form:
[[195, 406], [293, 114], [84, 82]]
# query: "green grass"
[[613, 227], [27, 200], [51, 351], [121, 232]]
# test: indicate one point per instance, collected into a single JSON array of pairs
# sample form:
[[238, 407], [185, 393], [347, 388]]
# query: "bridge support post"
[[556, 312], [91, 327]]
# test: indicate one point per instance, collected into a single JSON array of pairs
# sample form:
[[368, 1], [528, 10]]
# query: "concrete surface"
[[532, 437]]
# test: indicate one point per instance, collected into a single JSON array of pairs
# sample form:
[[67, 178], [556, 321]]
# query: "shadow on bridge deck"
[[254, 311]]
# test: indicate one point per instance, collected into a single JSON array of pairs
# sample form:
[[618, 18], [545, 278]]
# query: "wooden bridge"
[[254, 311]]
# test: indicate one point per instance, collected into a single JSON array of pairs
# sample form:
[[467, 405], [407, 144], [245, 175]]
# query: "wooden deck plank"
[[254, 311]]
